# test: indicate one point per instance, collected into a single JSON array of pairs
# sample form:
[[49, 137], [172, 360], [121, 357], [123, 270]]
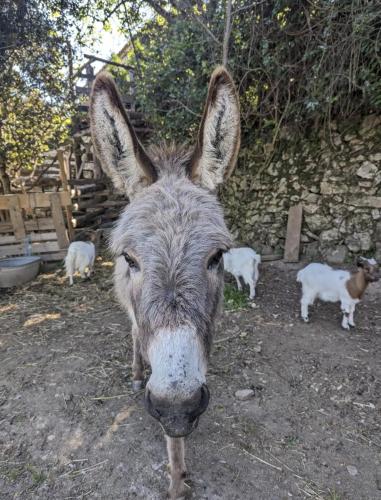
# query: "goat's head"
[[169, 243], [370, 269]]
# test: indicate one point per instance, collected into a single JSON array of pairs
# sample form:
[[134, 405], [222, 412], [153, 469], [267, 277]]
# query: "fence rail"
[[37, 221]]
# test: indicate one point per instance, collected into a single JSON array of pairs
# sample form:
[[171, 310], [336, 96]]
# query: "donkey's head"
[[169, 243]]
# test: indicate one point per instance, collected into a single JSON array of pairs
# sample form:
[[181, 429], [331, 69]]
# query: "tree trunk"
[[5, 180]]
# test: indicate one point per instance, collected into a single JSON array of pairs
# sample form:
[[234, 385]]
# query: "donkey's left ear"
[[219, 135]]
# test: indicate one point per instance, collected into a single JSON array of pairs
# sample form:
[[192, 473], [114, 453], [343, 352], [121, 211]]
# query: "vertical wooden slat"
[[70, 228], [65, 174], [63, 168], [16, 217], [294, 226], [58, 219]]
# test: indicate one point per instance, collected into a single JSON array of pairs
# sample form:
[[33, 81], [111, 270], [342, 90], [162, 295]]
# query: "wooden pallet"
[[48, 236]]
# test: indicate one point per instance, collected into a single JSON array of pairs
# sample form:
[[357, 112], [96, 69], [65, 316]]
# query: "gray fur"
[[163, 244], [172, 228]]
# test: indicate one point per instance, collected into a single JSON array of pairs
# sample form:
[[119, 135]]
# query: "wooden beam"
[[38, 224], [10, 239], [34, 200], [64, 169], [69, 220], [37, 248], [16, 218], [294, 226], [59, 221]]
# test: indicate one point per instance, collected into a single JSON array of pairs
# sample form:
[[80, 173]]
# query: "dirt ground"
[[70, 428]]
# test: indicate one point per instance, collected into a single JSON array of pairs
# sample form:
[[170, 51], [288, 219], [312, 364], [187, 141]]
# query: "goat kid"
[[80, 257], [243, 263], [335, 285]]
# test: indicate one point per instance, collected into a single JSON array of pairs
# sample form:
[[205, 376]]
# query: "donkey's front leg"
[[176, 455], [137, 363]]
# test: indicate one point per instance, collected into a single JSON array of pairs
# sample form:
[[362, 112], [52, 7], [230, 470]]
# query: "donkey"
[[168, 245]]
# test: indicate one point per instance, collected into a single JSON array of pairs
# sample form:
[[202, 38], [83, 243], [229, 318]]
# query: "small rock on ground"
[[244, 394], [352, 470]]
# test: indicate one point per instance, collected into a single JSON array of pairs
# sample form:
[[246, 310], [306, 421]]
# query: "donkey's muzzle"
[[178, 418]]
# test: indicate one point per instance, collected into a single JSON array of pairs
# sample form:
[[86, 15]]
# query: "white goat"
[[80, 257], [334, 285], [243, 262]]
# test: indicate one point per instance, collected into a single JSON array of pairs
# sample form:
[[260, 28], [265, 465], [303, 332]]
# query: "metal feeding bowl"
[[17, 271]]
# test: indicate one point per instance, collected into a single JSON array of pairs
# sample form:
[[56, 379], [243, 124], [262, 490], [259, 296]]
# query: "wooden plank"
[[294, 226], [16, 218], [54, 256], [46, 257], [69, 221], [34, 200], [38, 224], [82, 220], [87, 196], [59, 221], [37, 248], [86, 182], [64, 168], [90, 188], [9, 239], [95, 202]]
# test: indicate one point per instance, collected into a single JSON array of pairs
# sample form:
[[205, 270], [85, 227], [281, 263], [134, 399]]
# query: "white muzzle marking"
[[178, 363]]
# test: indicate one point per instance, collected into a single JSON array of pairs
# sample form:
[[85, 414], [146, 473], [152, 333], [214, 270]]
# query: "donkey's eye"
[[132, 264], [215, 260]]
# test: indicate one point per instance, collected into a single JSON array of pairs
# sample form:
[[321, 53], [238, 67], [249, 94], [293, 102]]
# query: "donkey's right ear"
[[121, 155]]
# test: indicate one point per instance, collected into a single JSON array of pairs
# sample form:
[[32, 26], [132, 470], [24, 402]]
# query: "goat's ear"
[[121, 155], [218, 140], [360, 261]]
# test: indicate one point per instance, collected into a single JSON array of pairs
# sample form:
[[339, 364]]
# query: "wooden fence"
[[38, 221]]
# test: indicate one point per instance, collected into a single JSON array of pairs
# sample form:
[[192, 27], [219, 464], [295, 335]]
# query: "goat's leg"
[[238, 283], [137, 362], [351, 321], [252, 289], [69, 269], [91, 268], [176, 455], [304, 303], [345, 309], [89, 271]]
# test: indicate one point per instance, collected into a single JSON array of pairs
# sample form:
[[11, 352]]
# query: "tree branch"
[[227, 33]]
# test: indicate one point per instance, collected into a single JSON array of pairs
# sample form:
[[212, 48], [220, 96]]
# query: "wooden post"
[[294, 226], [64, 168], [69, 217], [65, 175], [58, 220], [16, 217]]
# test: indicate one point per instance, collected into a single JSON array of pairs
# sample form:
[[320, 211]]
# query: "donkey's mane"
[[169, 158]]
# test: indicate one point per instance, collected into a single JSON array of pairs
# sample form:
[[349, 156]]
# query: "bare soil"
[[70, 427]]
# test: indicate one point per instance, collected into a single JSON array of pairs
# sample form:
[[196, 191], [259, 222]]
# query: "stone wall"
[[336, 178]]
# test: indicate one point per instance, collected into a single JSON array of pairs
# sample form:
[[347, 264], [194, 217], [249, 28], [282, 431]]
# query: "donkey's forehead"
[[171, 209]]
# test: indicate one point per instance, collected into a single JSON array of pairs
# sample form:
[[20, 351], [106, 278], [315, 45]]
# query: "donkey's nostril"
[[150, 406], [203, 403]]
